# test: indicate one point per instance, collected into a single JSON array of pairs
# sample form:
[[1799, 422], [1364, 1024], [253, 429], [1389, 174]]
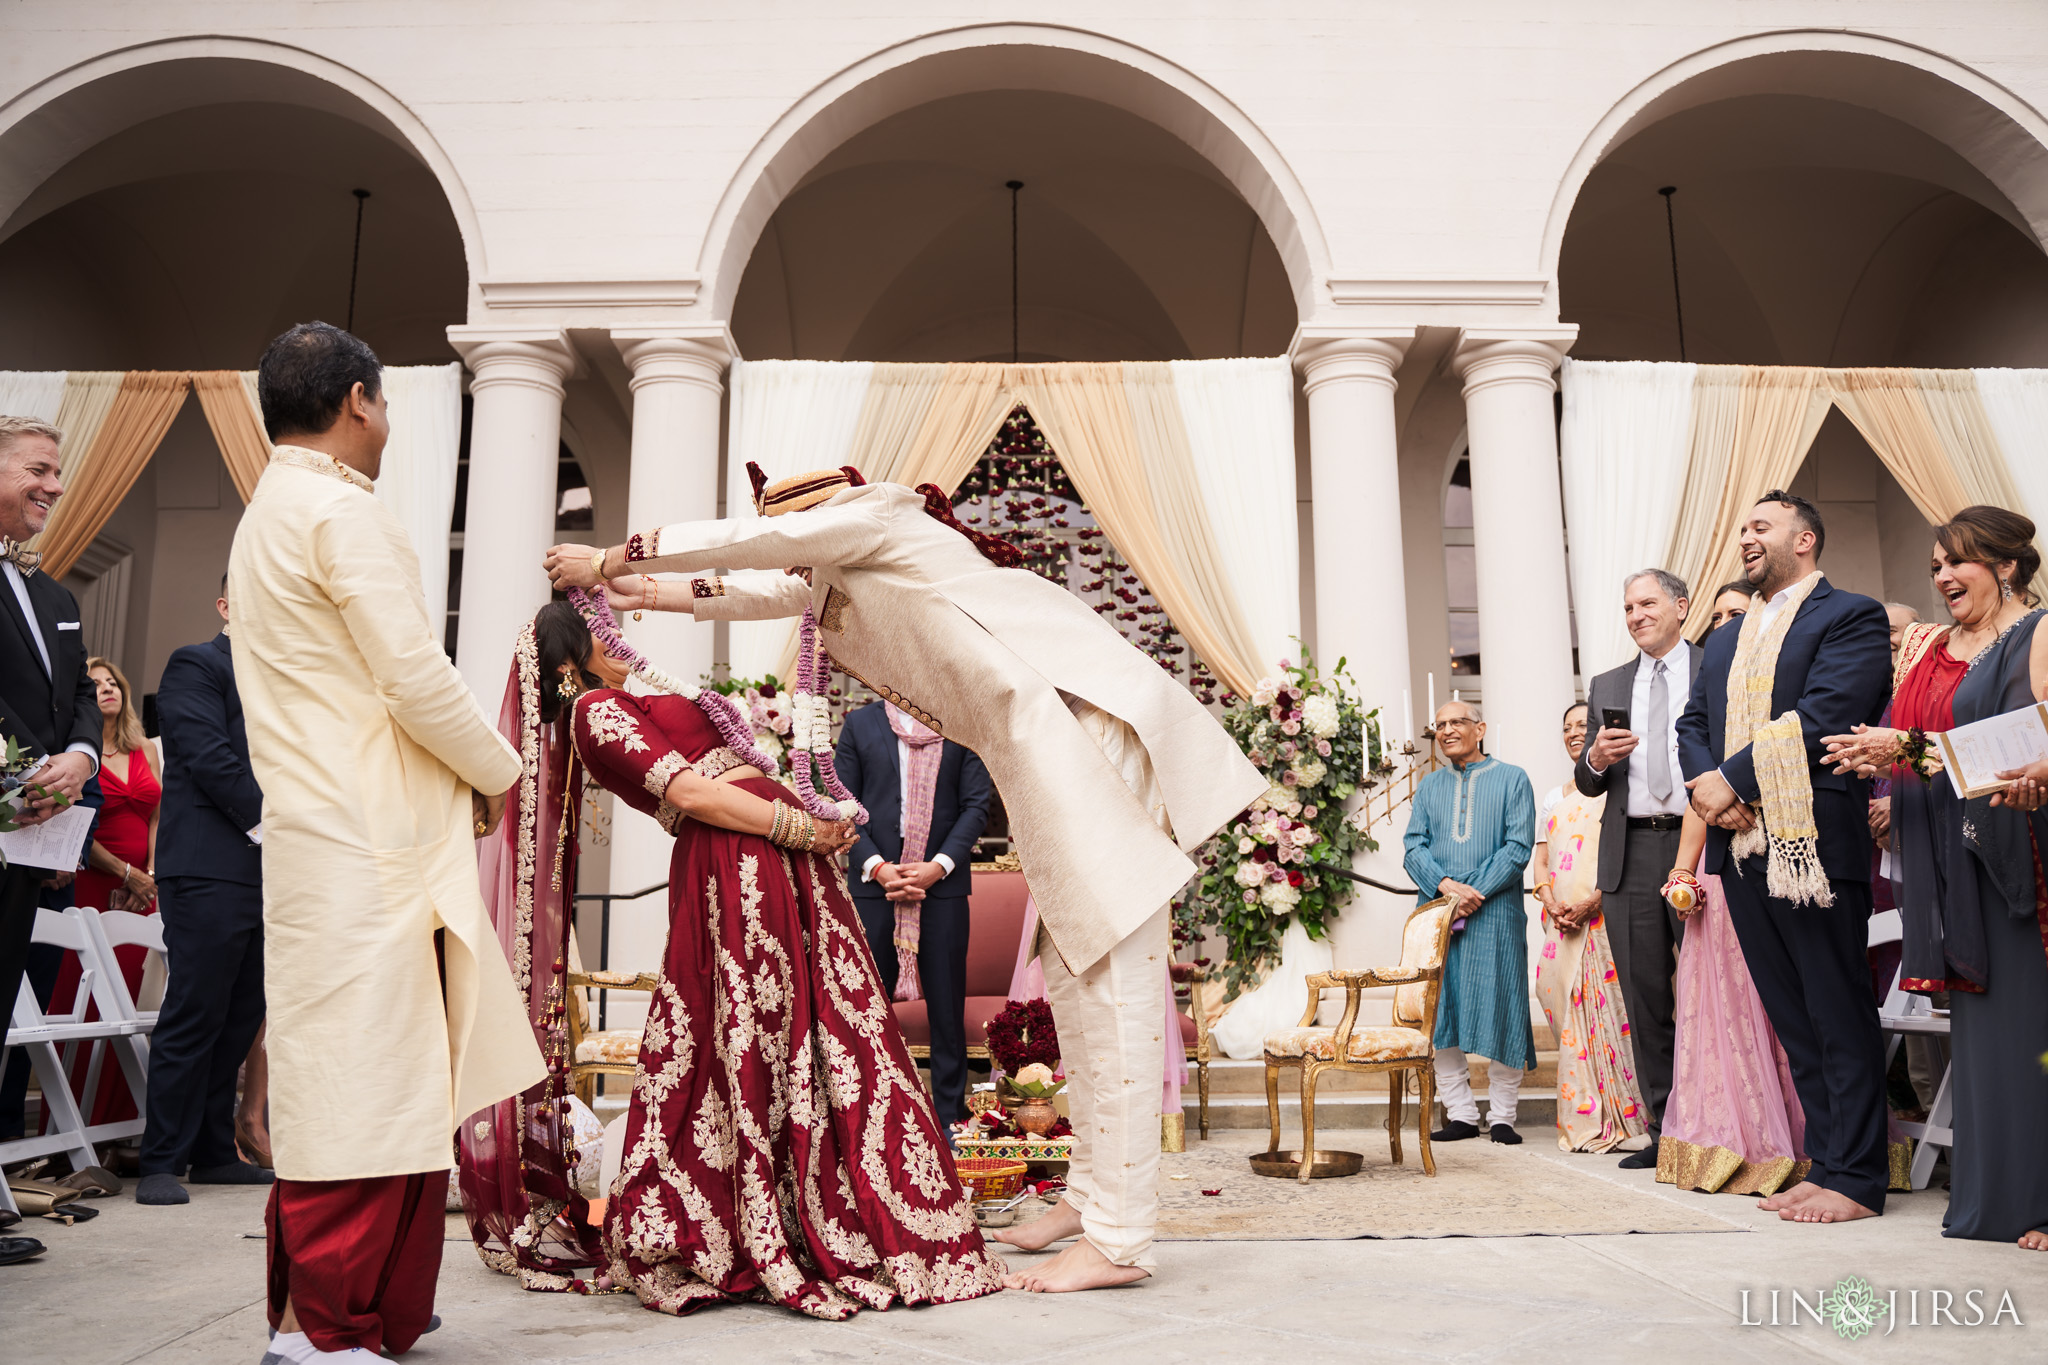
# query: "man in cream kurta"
[[1109, 770], [384, 1033]]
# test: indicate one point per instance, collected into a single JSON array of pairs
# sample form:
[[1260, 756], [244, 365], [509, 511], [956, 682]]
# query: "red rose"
[[1294, 879]]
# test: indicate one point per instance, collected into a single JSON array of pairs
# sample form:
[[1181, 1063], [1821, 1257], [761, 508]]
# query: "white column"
[[1518, 537], [1361, 606], [1361, 594], [678, 386], [515, 438]]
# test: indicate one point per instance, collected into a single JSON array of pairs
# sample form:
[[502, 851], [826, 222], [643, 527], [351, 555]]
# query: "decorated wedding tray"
[[1020, 1148]]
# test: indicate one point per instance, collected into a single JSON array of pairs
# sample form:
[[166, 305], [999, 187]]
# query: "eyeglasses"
[[1462, 723]]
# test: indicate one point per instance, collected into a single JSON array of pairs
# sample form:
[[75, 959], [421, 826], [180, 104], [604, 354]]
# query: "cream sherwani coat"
[[366, 743], [988, 657]]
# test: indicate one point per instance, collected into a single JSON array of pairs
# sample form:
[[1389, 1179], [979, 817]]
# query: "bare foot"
[[1789, 1198], [1064, 1220], [2037, 1240], [1080, 1266], [1827, 1206]]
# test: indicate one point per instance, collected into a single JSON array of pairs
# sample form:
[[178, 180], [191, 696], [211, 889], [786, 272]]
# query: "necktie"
[[1656, 743], [24, 558]]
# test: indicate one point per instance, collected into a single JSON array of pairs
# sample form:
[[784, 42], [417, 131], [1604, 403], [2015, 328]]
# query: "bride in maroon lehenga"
[[779, 1145]]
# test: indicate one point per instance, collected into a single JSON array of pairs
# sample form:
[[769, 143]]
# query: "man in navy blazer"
[[209, 875], [872, 761], [1834, 669]]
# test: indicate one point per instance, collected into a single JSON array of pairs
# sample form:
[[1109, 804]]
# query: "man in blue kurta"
[[1469, 838]]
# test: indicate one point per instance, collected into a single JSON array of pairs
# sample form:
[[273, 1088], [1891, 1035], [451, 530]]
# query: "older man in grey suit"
[[1645, 808]]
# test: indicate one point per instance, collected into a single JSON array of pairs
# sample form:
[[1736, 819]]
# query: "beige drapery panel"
[[142, 411], [1120, 435], [1183, 518], [1776, 413], [88, 398], [1089, 420], [237, 426], [1930, 429]]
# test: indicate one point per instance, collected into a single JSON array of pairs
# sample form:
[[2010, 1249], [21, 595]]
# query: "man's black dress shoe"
[[1455, 1130], [1640, 1161], [1504, 1135], [233, 1173], [160, 1187], [14, 1249]]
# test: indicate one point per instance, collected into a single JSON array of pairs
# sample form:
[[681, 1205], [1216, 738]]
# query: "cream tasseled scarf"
[[1785, 793]]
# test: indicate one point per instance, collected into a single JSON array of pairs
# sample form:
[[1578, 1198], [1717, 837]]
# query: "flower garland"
[[739, 736], [1021, 1035], [1314, 740], [810, 737]]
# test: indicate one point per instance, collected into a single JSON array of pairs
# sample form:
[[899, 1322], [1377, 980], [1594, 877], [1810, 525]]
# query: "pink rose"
[[1290, 727], [1308, 812], [1251, 898], [1323, 747]]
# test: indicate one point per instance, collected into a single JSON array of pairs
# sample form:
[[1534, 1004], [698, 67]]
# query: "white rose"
[[1265, 691], [1319, 715], [1244, 846], [1248, 874], [1279, 897]]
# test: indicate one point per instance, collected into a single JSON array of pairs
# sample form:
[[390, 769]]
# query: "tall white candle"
[[1407, 716], [1432, 699]]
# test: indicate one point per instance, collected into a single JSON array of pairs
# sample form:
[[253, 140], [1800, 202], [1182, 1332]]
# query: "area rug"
[[1480, 1190]]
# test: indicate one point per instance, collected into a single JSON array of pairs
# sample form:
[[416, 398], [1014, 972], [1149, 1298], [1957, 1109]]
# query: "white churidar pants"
[[1110, 1018], [1454, 1088]]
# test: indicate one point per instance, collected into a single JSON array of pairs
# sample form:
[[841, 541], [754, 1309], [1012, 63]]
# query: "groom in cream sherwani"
[[1110, 771]]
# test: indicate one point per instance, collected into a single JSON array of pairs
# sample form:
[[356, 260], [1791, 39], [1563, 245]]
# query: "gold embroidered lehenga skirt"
[[779, 1144]]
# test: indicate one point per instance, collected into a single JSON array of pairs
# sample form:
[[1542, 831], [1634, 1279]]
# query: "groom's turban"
[[799, 491]]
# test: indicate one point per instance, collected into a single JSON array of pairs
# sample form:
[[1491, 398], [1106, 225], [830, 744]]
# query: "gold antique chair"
[[601, 1052], [1396, 1049]]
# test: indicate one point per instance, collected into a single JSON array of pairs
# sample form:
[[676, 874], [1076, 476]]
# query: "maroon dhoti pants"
[[357, 1258]]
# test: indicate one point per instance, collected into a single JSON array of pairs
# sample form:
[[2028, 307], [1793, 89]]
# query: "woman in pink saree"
[[1599, 1105], [1733, 1122]]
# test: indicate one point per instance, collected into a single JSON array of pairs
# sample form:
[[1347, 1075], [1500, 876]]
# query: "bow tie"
[[24, 558]]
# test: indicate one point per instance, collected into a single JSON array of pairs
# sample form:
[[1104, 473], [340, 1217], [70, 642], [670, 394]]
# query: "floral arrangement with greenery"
[[1314, 740]]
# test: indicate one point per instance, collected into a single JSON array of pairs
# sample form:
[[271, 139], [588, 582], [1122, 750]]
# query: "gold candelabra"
[[1386, 790]]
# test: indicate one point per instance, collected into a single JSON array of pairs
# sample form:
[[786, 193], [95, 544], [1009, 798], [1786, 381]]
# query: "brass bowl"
[[1287, 1165]]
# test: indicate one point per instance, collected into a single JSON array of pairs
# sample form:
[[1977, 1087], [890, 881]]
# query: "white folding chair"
[[111, 929], [1902, 1013], [41, 1035]]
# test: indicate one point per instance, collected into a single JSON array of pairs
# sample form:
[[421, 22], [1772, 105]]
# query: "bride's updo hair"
[[563, 638], [1990, 536]]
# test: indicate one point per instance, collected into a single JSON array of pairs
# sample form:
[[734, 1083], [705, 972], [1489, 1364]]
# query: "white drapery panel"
[[1239, 416], [2016, 404], [1625, 446], [787, 416], [417, 481], [32, 393]]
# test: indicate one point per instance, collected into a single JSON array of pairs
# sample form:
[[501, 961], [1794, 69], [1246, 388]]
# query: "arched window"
[[1461, 574]]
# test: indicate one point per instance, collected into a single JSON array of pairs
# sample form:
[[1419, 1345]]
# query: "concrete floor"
[[184, 1285]]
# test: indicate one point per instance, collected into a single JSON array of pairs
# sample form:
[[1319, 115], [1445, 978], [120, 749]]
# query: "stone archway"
[[1012, 57]]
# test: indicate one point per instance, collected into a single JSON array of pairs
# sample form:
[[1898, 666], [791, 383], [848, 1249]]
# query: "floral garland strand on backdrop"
[[1313, 739]]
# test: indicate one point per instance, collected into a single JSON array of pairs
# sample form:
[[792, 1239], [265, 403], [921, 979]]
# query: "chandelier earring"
[[570, 687], [2005, 588]]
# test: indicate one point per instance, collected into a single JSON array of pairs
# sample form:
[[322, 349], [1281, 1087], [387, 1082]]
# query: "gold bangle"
[[597, 566]]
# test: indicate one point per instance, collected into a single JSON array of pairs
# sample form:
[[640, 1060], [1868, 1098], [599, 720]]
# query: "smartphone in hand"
[[1613, 718]]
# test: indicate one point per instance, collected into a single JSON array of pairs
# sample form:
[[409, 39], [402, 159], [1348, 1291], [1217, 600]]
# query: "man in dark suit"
[[48, 705], [1807, 958], [209, 876], [915, 852], [1639, 827]]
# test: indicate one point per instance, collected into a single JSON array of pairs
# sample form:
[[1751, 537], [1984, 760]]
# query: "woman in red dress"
[[779, 1144], [118, 874]]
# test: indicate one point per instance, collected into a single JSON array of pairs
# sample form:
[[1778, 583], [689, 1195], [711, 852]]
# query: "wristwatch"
[[597, 566]]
